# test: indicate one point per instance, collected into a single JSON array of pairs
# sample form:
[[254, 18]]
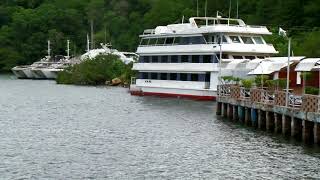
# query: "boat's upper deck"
[[205, 25]]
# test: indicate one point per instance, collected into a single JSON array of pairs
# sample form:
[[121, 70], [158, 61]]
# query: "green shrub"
[[247, 83], [312, 90], [96, 71], [261, 80]]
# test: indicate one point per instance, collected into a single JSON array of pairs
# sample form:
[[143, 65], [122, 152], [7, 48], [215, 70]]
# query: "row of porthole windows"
[[179, 59], [175, 76]]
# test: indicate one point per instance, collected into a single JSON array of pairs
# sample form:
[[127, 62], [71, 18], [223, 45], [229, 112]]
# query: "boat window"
[[169, 40], [261, 57], [164, 59], [144, 42], [235, 39], [197, 40], [146, 59], [176, 41], [195, 59], [250, 57], [225, 56], [184, 77], [155, 59], [174, 59], [154, 75], [194, 77], [209, 38], [247, 40], [163, 76], [173, 76], [208, 77], [145, 75], [161, 41], [211, 22], [237, 57], [258, 40], [224, 39], [153, 41], [200, 22], [184, 58], [207, 59]]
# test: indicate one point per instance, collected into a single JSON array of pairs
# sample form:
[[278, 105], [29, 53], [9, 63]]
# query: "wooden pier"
[[267, 110]]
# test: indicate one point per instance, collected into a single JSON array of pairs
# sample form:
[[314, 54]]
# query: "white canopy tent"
[[271, 65], [307, 64]]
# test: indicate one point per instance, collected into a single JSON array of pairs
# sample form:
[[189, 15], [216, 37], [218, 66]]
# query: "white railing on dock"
[[224, 90], [295, 101], [245, 93], [268, 97]]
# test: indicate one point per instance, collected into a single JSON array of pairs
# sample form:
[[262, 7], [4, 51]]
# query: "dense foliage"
[[96, 71], [25, 25]]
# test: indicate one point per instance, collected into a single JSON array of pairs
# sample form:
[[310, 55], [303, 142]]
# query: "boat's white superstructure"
[[183, 59]]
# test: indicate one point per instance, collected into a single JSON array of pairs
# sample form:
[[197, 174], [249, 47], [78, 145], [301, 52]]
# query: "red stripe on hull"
[[165, 95]]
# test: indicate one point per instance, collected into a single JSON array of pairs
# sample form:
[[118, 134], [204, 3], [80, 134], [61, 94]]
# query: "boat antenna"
[[182, 19], [68, 49], [197, 8], [49, 49], [237, 9], [205, 9], [92, 38], [88, 43]]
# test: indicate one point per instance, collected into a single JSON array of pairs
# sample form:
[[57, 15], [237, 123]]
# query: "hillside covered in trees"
[[26, 25]]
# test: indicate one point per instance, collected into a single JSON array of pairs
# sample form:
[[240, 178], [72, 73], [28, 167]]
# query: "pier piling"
[[307, 131], [235, 113], [270, 121], [316, 133], [247, 116], [296, 128], [277, 123], [219, 104], [286, 125], [261, 120]]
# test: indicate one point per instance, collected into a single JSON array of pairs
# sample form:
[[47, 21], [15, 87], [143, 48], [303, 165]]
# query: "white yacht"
[[182, 60], [33, 71], [126, 57]]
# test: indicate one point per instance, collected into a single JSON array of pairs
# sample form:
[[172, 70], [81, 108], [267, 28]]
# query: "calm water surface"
[[50, 131]]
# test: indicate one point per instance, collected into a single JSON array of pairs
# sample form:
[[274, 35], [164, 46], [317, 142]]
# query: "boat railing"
[[149, 31]]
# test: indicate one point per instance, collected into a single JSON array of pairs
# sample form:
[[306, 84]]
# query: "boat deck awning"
[[275, 64], [235, 63], [307, 64]]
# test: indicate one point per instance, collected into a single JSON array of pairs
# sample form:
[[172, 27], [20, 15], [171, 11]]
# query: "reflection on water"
[[50, 131]]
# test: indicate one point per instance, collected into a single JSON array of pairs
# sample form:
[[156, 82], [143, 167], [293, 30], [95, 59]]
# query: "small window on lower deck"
[[184, 77], [154, 75], [164, 59], [173, 76], [146, 59], [194, 77], [195, 59], [174, 59], [207, 59], [261, 57], [163, 76], [155, 59], [184, 58]]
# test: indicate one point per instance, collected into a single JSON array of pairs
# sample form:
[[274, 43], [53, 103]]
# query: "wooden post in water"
[[286, 125], [316, 133], [277, 123], [296, 128]]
